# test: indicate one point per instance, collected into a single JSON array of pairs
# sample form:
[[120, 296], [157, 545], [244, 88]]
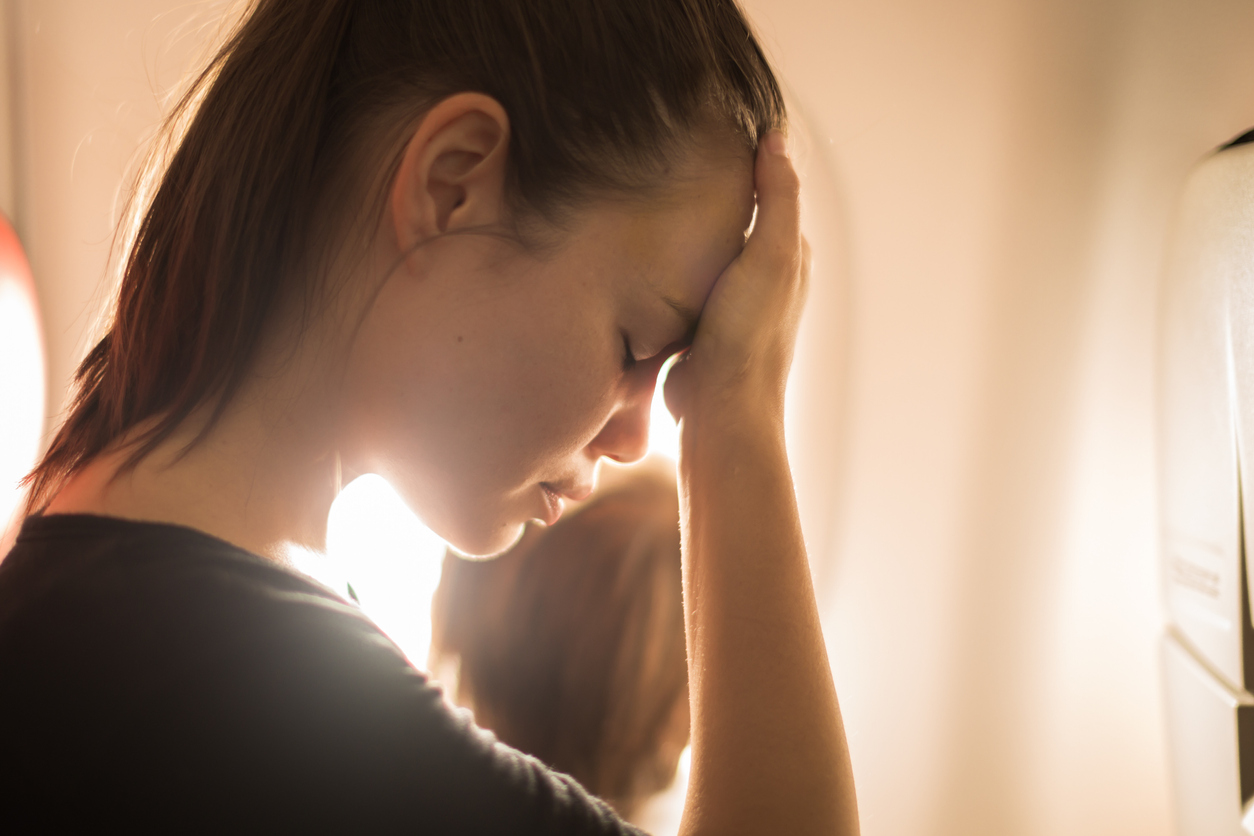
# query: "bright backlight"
[[391, 561], [663, 432]]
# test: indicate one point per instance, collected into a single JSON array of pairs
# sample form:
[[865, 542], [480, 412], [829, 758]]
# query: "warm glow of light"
[[661, 813], [663, 431], [376, 545], [22, 382], [391, 560]]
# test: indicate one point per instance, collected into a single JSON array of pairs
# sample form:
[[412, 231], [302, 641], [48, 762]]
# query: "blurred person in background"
[[570, 647]]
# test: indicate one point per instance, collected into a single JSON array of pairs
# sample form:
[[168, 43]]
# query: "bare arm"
[[769, 751]]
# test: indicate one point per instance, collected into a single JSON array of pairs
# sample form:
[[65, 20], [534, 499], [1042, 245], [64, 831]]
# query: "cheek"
[[481, 393], [533, 375]]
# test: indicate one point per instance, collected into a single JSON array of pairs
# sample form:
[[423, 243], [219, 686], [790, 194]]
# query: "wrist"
[[733, 420], [742, 402]]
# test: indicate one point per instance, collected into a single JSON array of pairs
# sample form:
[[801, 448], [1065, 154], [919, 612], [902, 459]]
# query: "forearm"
[[769, 752]]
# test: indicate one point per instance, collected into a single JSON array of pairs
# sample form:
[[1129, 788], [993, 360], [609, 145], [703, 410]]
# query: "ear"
[[452, 173]]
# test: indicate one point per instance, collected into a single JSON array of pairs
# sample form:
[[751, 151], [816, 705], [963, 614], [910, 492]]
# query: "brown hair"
[[600, 95], [571, 646]]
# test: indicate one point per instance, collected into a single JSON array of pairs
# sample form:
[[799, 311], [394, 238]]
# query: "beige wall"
[[90, 77], [1008, 170], [991, 182]]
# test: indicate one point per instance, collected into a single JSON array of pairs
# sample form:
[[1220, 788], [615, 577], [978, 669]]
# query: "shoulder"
[[158, 662], [131, 645], [143, 607], [116, 587]]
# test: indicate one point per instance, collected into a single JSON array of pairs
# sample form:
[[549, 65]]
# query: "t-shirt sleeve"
[[355, 733], [378, 732]]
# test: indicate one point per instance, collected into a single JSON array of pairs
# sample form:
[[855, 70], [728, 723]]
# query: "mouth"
[[556, 496], [553, 505]]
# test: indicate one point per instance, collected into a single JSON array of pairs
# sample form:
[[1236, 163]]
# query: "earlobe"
[[452, 171]]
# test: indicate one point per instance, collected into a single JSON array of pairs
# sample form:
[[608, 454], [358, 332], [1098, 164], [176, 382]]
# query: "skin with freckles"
[[484, 377], [484, 373]]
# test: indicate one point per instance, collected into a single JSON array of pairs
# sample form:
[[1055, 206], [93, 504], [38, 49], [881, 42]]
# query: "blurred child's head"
[[571, 645]]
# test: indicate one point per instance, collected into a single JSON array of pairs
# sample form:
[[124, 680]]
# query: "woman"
[[570, 647], [450, 243]]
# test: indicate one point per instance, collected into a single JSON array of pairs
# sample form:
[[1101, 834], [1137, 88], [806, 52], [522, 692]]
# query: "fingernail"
[[776, 145]]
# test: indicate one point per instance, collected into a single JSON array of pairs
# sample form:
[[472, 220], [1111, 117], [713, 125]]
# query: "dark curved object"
[[1244, 138]]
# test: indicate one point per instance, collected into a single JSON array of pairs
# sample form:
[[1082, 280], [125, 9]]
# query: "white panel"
[[1201, 528], [1203, 716]]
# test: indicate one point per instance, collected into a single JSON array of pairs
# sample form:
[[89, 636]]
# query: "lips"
[[555, 497], [553, 505]]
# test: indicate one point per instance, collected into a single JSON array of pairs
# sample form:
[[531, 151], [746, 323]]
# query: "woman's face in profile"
[[489, 383]]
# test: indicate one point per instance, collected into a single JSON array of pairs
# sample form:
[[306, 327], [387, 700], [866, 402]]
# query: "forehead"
[[681, 237]]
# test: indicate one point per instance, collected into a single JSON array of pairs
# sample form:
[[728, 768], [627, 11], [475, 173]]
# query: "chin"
[[475, 542]]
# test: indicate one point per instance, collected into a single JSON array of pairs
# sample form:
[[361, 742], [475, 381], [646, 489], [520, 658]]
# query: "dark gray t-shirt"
[[154, 675]]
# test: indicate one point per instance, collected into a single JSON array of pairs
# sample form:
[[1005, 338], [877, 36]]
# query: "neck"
[[263, 478]]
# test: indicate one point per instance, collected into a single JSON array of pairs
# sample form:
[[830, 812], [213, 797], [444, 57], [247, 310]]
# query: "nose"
[[625, 436]]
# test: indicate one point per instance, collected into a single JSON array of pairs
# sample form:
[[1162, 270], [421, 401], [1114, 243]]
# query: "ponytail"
[[206, 265], [269, 140]]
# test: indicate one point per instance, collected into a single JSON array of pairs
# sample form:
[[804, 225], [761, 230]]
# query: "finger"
[[775, 241]]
